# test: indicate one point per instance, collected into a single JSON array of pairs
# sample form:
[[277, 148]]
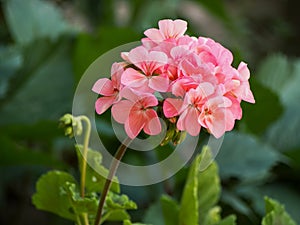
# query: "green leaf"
[[94, 172], [115, 201], [282, 75], [189, 214], [88, 204], [13, 154], [128, 222], [229, 220], [265, 99], [276, 214], [50, 196], [32, 19], [170, 210], [244, 157], [116, 206], [46, 91], [154, 214], [201, 191], [213, 216], [10, 61]]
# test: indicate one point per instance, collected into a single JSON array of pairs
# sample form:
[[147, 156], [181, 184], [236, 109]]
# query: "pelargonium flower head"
[[189, 82]]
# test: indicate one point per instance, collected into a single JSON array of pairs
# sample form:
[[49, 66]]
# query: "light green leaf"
[[276, 214], [213, 216], [94, 172], [115, 201], [189, 206], [170, 210], [32, 19], [201, 191], [50, 196], [244, 157], [128, 222], [116, 206], [88, 204], [229, 220]]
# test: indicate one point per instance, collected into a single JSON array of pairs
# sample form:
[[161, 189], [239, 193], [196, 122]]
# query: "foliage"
[[43, 54]]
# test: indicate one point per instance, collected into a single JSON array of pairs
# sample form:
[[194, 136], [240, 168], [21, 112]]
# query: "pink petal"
[[152, 126], [159, 83], [138, 55], [172, 107], [148, 100], [191, 122], [133, 78], [103, 103], [120, 111], [154, 35], [217, 123], [244, 71], [104, 87], [172, 29], [134, 124]]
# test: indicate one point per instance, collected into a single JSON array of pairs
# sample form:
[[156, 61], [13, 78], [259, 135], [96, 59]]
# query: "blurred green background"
[[46, 45]]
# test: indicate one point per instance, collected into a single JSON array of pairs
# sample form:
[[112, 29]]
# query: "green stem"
[[84, 154], [78, 221], [112, 171]]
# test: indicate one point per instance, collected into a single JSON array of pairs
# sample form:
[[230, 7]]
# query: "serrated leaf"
[[201, 191], [94, 172], [116, 206], [276, 214], [243, 156], [170, 210], [50, 196], [44, 22], [80, 205], [189, 214]]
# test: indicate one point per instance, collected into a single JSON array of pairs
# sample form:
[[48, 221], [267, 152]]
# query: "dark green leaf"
[[95, 172], [258, 116], [50, 195], [229, 220], [32, 19], [244, 157], [276, 214], [154, 215], [170, 210], [47, 94]]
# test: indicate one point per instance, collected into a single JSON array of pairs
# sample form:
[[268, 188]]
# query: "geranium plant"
[[186, 82]]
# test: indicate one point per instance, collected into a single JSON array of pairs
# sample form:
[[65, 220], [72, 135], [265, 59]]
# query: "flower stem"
[[112, 171], [84, 154]]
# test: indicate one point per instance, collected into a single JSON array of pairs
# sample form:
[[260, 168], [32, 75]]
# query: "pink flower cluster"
[[189, 80]]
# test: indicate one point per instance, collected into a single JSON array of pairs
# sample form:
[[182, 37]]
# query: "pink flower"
[[137, 113], [168, 29], [109, 89], [216, 117], [192, 106], [149, 78]]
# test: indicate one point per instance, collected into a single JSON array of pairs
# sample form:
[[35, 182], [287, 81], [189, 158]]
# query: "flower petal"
[[159, 83], [191, 122], [133, 78], [172, 107], [152, 126], [134, 124], [120, 111], [104, 87], [103, 103]]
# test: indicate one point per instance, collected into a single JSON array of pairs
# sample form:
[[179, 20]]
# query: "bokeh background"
[[46, 45]]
